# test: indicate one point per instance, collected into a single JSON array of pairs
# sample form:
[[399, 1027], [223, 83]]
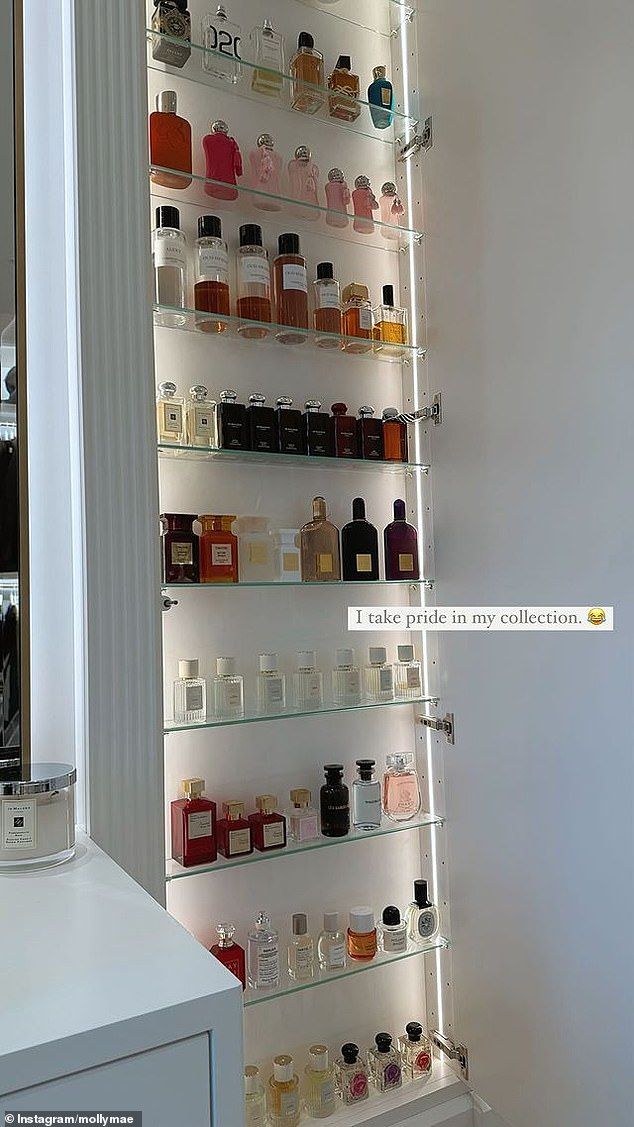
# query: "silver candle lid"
[[40, 778]]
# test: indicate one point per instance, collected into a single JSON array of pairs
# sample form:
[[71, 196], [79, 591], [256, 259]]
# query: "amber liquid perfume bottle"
[[211, 288], [194, 826], [268, 828], [307, 71], [357, 318], [231, 422], [390, 326], [254, 283], [218, 549], [359, 546], [343, 98], [318, 439], [290, 285], [400, 541], [395, 446], [319, 547], [230, 953], [234, 831], [170, 143], [343, 430], [369, 435], [262, 424], [327, 307], [283, 1093], [171, 21], [290, 434], [170, 422], [180, 548], [361, 935], [334, 803]]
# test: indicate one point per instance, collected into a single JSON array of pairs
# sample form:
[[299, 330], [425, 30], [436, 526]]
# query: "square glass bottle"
[[262, 424], [170, 417], [290, 435], [286, 557], [307, 71], [255, 550], [221, 42], [180, 548], [268, 828], [218, 549], [308, 689], [395, 444], [318, 439], [267, 49], [231, 422], [271, 685], [170, 21], [301, 950], [357, 318], [343, 99], [343, 429], [228, 690], [346, 680], [407, 674], [303, 820], [200, 417], [369, 435], [230, 953], [385, 1063], [190, 694], [351, 1075], [416, 1052], [234, 831], [378, 676], [390, 326], [193, 826], [263, 954]]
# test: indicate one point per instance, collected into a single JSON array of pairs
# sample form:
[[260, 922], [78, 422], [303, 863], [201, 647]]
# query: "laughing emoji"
[[596, 616]]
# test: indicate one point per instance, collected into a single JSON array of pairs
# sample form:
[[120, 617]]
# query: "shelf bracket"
[[455, 1052], [417, 143], [167, 603], [445, 724], [425, 414]]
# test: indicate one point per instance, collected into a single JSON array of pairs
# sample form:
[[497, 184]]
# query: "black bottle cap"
[[333, 770], [209, 227], [358, 509], [388, 295], [350, 1052], [339, 408], [325, 270], [366, 768], [250, 235], [391, 916], [288, 243], [399, 509], [414, 1030], [383, 1042], [305, 39], [420, 894], [343, 62], [168, 216]]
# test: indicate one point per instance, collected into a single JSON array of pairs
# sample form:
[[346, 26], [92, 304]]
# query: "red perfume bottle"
[[223, 161], [234, 832], [170, 143], [343, 429], [180, 548], [268, 828], [229, 953], [400, 541], [194, 826]]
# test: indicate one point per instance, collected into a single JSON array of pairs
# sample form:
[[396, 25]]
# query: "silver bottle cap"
[[331, 922], [400, 760], [379, 72], [312, 405], [366, 412], [362, 182], [262, 920], [284, 401], [405, 653], [390, 413], [219, 127], [300, 923], [302, 152], [265, 141], [166, 101], [167, 389], [377, 654], [306, 659], [337, 175], [389, 188], [318, 1058], [267, 25], [345, 657], [198, 392], [221, 12], [228, 396], [257, 399]]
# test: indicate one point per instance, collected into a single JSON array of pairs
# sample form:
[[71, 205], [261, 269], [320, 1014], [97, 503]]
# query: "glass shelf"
[[289, 986], [277, 583], [174, 871], [168, 450], [167, 316], [253, 717], [404, 13]]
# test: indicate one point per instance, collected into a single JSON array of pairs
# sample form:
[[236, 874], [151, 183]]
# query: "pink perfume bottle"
[[223, 161], [337, 199], [303, 176], [391, 210], [265, 173], [365, 203]]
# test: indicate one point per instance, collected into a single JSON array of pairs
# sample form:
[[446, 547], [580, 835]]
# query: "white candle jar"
[[37, 817]]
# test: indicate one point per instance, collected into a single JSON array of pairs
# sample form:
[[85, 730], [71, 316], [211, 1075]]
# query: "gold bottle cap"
[[319, 508], [193, 788], [379, 72], [300, 797], [216, 523], [356, 289], [233, 810], [266, 803]]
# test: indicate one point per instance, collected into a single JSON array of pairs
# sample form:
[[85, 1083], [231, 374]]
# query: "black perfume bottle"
[[369, 435], [231, 422], [262, 424], [334, 801], [290, 436], [317, 435], [343, 428], [359, 546]]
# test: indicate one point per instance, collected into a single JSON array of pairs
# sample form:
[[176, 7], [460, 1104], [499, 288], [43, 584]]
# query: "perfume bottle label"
[[367, 804], [364, 561], [357, 1087], [19, 823], [386, 96], [170, 252], [182, 552], [290, 561], [289, 1104], [193, 698], [269, 50], [324, 563], [172, 418], [214, 261], [422, 1062], [273, 693], [232, 963], [306, 827], [395, 940], [405, 561], [386, 679], [219, 39], [221, 555], [294, 277], [268, 967], [230, 693], [199, 824], [329, 298], [273, 834], [304, 960], [413, 678], [258, 554], [311, 688], [326, 1095], [402, 794], [239, 842], [336, 955], [253, 269], [391, 1075], [426, 924], [351, 683], [203, 422], [365, 318]]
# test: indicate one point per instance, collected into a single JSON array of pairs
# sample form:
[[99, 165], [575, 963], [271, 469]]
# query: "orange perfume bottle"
[[170, 143], [218, 552], [344, 91]]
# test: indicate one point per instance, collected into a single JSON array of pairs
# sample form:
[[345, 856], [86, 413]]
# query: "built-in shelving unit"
[[255, 717], [257, 459]]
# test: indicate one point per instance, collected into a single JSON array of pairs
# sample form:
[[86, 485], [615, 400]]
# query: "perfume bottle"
[[343, 99], [193, 825], [170, 144], [351, 1075], [234, 831], [221, 42], [255, 550], [268, 828], [357, 318], [393, 931], [423, 922], [327, 307], [303, 821], [263, 954], [171, 20], [180, 548], [366, 797], [359, 546], [283, 1093], [378, 676], [223, 161], [169, 258], [364, 203], [381, 98], [200, 417], [369, 435], [265, 168], [190, 694], [290, 434], [361, 935], [290, 286], [395, 445], [231, 955], [390, 326], [286, 558], [334, 802], [307, 72], [254, 283], [307, 682], [262, 424], [301, 950], [407, 674], [319, 547], [211, 288], [391, 210], [319, 1084], [218, 549], [317, 432], [228, 690], [400, 541], [337, 199], [346, 680], [231, 422], [331, 945], [416, 1052], [254, 1098], [385, 1064], [343, 429], [401, 789], [271, 685], [303, 176], [267, 48], [169, 415]]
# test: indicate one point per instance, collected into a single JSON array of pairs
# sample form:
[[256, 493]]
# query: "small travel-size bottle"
[[290, 286], [190, 694], [170, 21], [265, 173], [359, 547], [391, 211], [234, 831], [423, 921], [318, 439], [366, 797], [231, 955], [319, 1084], [393, 931], [254, 283], [301, 950], [351, 1075], [211, 288], [381, 98], [290, 436], [267, 49], [218, 549], [327, 307], [283, 1093], [180, 548], [303, 821], [385, 1063], [369, 435], [390, 326], [407, 674], [169, 258], [223, 162], [268, 828], [334, 803], [230, 419], [395, 445], [337, 199], [263, 954], [262, 424], [307, 72], [357, 318], [170, 144], [308, 691], [286, 558], [400, 542], [378, 676], [346, 680], [254, 1098], [200, 417], [361, 935], [228, 690], [170, 420], [343, 99], [255, 550], [401, 788], [271, 685], [343, 428], [221, 40], [364, 203], [416, 1052], [319, 547], [331, 945], [193, 826]]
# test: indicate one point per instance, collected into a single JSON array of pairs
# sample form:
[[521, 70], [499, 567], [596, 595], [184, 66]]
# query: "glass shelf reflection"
[[279, 585], [397, 13], [253, 717], [168, 450]]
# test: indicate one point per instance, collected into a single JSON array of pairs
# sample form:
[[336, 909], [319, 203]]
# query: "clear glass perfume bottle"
[[331, 945], [423, 921], [254, 1098], [283, 1093], [301, 950], [169, 258], [327, 307], [351, 1075], [378, 676], [393, 931], [200, 417], [346, 679], [308, 690], [401, 788], [385, 1063], [263, 953], [319, 1084], [267, 48], [222, 37], [255, 549], [416, 1052], [302, 818], [286, 558], [366, 797], [391, 210], [190, 694], [271, 685], [228, 689], [319, 547], [254, 283], [407, 674], [390, 326], [169, 414]]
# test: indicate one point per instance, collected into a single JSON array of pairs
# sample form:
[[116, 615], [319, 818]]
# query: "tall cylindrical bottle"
[[169, 256], [290, 285], [211, 288], [254, 283]]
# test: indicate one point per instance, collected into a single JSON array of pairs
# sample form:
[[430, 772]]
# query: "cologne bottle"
[[221, 42], [286, 558], [307, 682], [271, 685], [263, 954], [193, 826], [366, 797], [346, 680], [390, 326], [267, 49], [303, 177], [218, 549], [262, 424], [169, 258], [381, 97], [283, 1093], [319, 1084], [290, 286], [223, 162], [378, 676], [359, 546], [401, 789], [254, 1098], [331, 945], [385, 1064], [231, 955], [301, 950], [364, 203], [303, 821], [334, 803], [391, 210], [369, 435], [327, 307], [265, 168], [307, 72], [171, 20], [351, 1075], [337, 199], [317, 432], [290, 434], [180, 548], [407, 674], [357, 318], [393, 931], [228, 690], [319, 547], [200, 417], [268, 828], [416, 1052], [395, 445], [255, 550], [400, 541], [343, 99], [170, 144], [190, 694], [234, 831], [211, 288], [361, 935], [423, 922], [170, 420], [254, 283], [343, 429], [231, 422]]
